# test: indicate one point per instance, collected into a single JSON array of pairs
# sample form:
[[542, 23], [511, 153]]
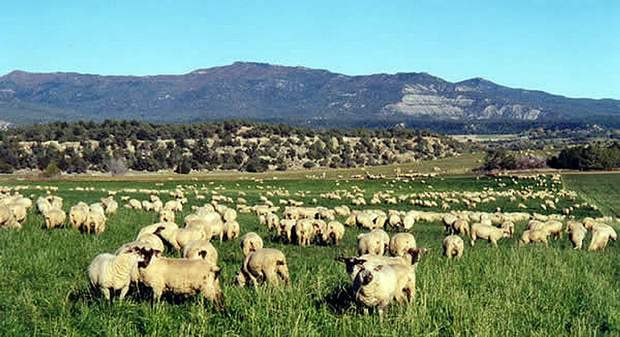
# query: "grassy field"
[[509, 291], [601, 189]]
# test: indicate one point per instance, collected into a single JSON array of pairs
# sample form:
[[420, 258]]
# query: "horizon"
[[567, 48]]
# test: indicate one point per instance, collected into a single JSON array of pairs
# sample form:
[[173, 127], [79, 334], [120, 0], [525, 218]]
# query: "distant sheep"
[[400, 243], [375, 242], [453, 246]]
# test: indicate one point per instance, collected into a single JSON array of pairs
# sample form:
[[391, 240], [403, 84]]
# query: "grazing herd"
[[383, 270]]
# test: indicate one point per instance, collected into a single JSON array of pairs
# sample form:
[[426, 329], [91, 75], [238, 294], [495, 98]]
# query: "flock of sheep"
[[377, 279]]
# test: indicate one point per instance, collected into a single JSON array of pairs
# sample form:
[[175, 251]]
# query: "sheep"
[[95, 222], [271, 220], [408, 220], [400, 243], [487, 232], [181, 237], [334, 232], [179, 276], [264, 265], [173, 205], [231, 229], [108, 272], [250, 242], [448, 221], [355, 264], [54, 217], [509, 226], [576, 233], [554, 228], [78, 214], [453, 246], [110, 205], [43, 205], [135, 204], [601, 233], [166, 231], [55, 201], [19, 211], [7, 218], [304, 232], [460, 226], [145, 241], [229, 215], [534, 235], [166, 215], [374, 242], [286, 229], [379, 285], [200, 249]]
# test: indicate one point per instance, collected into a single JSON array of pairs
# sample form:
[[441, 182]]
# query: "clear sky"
[[565, 47]]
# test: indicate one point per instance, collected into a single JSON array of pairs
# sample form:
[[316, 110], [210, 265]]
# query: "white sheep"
[[487, 232], [453, 246], [250, 242], [374, 242], [400, 243], [231, 229], [108, 272], [333, 233], [264, 265], [601, 234], [200, 249], [78, 214], [304, 231], [380, 285], [534, 235], [54, 218]]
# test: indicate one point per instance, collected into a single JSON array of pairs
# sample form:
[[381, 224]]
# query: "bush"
[[51, 171], [5, 168], [116, 166], [588, 157], [184, 167], [256, 165], [309, 164]]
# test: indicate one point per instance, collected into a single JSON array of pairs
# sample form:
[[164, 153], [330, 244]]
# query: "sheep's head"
[[147, 256], [416, 254], [351, 262]]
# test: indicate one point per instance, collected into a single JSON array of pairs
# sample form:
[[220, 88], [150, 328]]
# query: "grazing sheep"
[[333, 233], [200, 249], [448, 221], [576, 232], [509, 226], [183, 236], [271, 220], [54, 218], [145, 241], [355, 264], [135, 204], [409, 220], [78, 215], [400, 243], [380, 285], [250, 242], [286, 229], [19, 211], [174, 205], [374, 242], [460, 226], [453, 246], [109, 272], [534, 235], [43, 205], [487, 232], [110, 205], [95, 222], [304, 232], [166, 231], [231, 230], [264, 265], [179, 276], [7, 218], [166, 215], [554, 228], [601, 233]]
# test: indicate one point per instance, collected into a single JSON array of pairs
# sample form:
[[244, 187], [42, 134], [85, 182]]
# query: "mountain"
[[296, 95]]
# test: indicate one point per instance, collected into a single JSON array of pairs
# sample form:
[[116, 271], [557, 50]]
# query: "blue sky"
[[564, 47]]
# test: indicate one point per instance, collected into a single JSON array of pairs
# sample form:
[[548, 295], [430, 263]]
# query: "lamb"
[[250, 242], [166, 215], [400, 243], [304, 232], [601, 233], [7, 218], [108, 272], [179, 276], [375, 242], [379, 285], [487, 232], [576, 232], [54, 218], [453, 246], [534, 235], [334, 232], [200, 249], [264, 265], [78, 214], [231, 230]]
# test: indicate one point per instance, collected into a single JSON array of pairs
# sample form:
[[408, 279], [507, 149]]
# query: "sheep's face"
[[147, 255]]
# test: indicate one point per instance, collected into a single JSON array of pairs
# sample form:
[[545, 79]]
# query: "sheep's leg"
[[272, 278], [124, 292], [106, 293]]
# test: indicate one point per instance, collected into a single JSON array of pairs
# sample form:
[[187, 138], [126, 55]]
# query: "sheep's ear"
[[367, 278], [203, 254]]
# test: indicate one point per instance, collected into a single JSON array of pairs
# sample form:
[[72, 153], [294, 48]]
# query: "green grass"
[[601, 189], [510, 291]]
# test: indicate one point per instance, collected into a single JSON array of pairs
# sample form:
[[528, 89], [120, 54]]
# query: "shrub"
[[116, 166], [51, 171]]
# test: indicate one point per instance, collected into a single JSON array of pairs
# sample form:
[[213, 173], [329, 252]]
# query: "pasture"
[[506, 291]]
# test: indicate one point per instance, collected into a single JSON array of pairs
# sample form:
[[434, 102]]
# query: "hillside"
[[294, 95]]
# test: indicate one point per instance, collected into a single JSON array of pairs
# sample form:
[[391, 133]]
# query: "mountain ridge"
[[290, 94]]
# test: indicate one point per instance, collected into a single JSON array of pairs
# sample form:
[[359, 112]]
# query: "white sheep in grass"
[[285, 229], [95, 221], [145, 241], [135, 204], [264, 265], [355, 264], [231, 230], [271, 220], [601, 234], [166, 215], [576, 233], [110, 205], [43, 205], [400, 243], [108, 272], [374, 242], [250, 242], [460, 226], [534, 235], [487, 232], [19, 211], [379, 285], [174, 205], [54, 218], [304, 232], [200, 249], [453, 246], [7, 218], [333, 233], [179, 276], [78, 215]]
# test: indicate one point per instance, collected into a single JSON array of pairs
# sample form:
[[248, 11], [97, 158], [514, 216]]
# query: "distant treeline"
[[116, 146], [588, 157]]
